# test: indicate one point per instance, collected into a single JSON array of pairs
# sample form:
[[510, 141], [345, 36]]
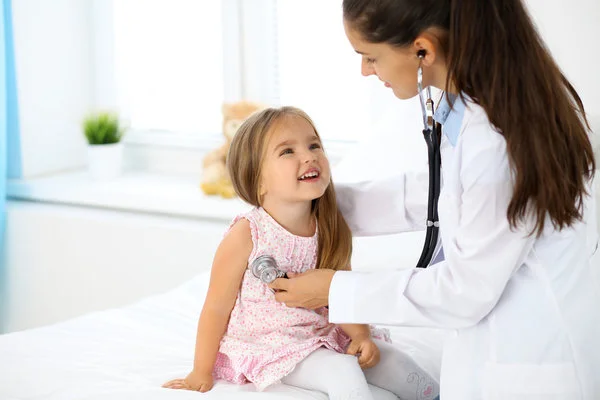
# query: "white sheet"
[[128, 353]]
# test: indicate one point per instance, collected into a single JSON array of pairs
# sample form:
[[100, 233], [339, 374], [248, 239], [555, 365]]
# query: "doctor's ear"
[[425, 50]]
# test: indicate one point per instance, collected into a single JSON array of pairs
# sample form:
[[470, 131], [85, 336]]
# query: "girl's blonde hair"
[[244, 164]]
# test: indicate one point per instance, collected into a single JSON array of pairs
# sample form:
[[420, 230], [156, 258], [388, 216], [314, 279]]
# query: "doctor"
[[514, 276]]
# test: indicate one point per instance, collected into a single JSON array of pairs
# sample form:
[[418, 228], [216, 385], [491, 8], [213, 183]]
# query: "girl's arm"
[[229, 265]]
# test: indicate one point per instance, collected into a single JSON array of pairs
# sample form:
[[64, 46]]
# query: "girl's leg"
[[398, 373], [338, 375]]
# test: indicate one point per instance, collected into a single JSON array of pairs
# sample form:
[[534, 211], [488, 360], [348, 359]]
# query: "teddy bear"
[[215, 178]]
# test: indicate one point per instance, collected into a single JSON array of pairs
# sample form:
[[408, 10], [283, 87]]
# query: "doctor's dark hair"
[[496, 57], [245, 163]]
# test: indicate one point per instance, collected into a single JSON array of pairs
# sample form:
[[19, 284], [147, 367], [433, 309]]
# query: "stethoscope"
[[265, 267], [432, 133]]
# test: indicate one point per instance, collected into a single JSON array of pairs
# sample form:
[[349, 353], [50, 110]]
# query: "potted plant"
[[105, 150]]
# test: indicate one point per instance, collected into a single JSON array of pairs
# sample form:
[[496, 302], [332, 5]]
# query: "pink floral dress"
[[265, 339]]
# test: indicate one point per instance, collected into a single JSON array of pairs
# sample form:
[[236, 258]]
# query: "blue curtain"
[[10, 152]]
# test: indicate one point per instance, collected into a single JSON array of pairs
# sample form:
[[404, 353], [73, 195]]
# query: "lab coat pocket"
[[556, 381]]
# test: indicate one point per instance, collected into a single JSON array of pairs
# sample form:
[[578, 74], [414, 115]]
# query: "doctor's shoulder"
[[482, 148], [477, 127]]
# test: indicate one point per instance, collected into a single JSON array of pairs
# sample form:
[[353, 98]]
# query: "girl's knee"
[[346, 362], [342, 367]]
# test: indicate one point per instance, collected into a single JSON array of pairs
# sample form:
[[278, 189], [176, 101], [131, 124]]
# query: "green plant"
[[102, 128]]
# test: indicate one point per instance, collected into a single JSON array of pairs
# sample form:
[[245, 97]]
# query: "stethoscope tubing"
[[432, 135], [431, 235]]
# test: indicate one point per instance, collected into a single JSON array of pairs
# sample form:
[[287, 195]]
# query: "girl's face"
[[295, 168], [395, 67]]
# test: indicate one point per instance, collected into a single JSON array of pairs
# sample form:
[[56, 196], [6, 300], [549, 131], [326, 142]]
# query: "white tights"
[[341, 378]]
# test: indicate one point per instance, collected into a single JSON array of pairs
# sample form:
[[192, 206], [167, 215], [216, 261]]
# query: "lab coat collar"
[[449, 114]]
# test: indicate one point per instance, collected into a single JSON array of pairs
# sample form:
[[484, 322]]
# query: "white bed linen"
[[127, 353]]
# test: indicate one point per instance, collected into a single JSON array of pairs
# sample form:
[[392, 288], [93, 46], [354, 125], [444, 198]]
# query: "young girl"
[[278, 165]]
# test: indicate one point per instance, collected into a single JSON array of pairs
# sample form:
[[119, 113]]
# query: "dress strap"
[[253, 218]]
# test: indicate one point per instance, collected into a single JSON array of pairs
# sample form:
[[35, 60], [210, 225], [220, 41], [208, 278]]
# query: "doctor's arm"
[[361, 343], [480, 258], [482, 254], [393, 204]]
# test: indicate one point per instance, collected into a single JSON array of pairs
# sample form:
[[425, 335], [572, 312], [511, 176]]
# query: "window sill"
[[156, 151], [178, 196]]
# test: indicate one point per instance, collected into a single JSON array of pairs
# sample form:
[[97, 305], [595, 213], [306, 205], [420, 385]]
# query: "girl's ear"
[[262, 190]]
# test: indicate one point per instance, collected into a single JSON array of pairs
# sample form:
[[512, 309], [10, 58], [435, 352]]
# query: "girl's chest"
[[291, 253]]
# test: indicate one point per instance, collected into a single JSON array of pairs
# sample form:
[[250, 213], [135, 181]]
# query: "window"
[[318, 69], [170, 74], [169, 64]]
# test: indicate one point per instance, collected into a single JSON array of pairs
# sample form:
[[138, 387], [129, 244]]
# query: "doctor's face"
[[396, 67]]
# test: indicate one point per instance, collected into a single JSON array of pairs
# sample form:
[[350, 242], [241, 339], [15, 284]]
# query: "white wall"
[[65, 261], [571, 30], [53, 57]]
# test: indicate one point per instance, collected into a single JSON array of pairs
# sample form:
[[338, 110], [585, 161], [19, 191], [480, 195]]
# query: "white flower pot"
[[105, 160]]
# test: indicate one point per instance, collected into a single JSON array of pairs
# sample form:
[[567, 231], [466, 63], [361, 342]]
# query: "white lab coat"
[[524, 311]]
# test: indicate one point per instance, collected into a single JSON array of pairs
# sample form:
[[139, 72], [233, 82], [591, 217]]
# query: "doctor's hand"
[[307, 290], [367, 351]]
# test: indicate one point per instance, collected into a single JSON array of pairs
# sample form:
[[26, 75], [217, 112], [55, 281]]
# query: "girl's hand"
[[366, 349], [194, 381]]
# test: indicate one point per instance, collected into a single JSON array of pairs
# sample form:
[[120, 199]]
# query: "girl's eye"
[[315, 146], [286, 151], [370, 60]]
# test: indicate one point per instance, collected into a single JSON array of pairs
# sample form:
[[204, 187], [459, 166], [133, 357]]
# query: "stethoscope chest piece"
[[265, 268]]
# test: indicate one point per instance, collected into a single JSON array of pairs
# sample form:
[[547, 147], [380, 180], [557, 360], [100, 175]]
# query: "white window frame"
[[243, 61]]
